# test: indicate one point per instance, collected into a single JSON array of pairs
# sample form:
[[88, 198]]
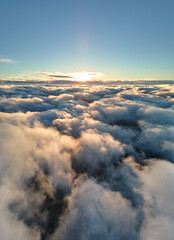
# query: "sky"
[[121, 39]]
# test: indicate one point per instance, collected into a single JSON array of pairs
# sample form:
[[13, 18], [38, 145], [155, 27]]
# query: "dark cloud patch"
[[86, 161], [52, 76]]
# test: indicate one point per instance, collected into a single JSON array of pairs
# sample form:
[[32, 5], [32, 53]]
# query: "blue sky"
[[123, 39]]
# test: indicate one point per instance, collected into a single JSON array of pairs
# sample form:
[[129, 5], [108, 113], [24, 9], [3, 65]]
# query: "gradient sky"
[[124, 39]]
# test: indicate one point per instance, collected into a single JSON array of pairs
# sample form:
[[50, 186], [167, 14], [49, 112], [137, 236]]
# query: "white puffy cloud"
[[97, 213], [158, 181], [86, 161]]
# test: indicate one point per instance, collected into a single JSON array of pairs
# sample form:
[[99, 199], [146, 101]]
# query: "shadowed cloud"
[[86, 161]]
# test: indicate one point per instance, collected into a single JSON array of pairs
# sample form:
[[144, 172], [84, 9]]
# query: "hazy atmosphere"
[[86, 120]]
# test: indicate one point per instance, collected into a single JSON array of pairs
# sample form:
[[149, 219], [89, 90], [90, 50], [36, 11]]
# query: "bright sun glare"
[[83, 76]]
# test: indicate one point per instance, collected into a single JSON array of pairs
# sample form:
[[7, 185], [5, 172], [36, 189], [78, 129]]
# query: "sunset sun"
[[83, 76]]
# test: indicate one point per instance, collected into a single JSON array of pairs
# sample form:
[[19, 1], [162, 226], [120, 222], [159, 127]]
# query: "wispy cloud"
[[54, 75], [7, 60], [79, 76]]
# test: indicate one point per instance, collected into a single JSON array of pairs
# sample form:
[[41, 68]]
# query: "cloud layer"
[[86, 161]]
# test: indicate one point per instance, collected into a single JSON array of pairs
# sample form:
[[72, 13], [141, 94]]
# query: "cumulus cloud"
[[81, 161], [95, 212], [158, 194]]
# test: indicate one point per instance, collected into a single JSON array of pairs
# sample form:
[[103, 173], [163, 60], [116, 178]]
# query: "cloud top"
[[86, 161]]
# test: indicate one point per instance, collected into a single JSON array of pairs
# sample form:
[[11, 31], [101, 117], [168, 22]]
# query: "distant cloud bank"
[[50, 76], [86, 160], [78, 76]]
